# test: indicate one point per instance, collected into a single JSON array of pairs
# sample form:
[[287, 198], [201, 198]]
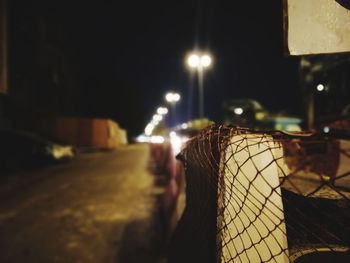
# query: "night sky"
[[130, 53]]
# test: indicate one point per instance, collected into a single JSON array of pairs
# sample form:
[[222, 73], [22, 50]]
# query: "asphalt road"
[[100, 207]]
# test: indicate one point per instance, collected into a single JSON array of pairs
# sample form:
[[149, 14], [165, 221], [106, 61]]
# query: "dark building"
[[40, 73], [325, 81], [55, 67], [37, 74]]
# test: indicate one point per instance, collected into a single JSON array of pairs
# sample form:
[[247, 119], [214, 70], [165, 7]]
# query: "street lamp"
[[173, 98], [149, 129], [200, 61], [157, 117], [162, 111]]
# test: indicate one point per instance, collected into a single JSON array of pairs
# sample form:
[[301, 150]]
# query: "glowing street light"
[[157, 117], [173, 98], [200, 61], [238, 111], [193, 61], [149, 129], [162, 111], [320, 87], [205, 61]]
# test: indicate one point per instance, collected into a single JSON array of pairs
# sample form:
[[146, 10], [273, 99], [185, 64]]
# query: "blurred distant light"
[[162, 110], [154, 122], [142, 138], [149, 129], [193, 61], [157, 117], [176, 97], [292, 128], [260, 115], [326, 129], [199, 61], [206, 61], [238, 111], [157, 139], [169, 97], [172, 97], [184, 126], [320, 87], [176, 142]]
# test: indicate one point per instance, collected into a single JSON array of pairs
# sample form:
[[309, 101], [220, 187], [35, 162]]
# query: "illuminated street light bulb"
[[157, 117], [172, 97], [176, 97], [184, 126], [154, 122], [162, 110], [149, 129], [193, 61], [169, 97], [205, 61], [320, 87], [200, 61], [238, 111]]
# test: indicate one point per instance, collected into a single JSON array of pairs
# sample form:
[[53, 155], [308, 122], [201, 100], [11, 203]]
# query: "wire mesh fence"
[[264, 197]]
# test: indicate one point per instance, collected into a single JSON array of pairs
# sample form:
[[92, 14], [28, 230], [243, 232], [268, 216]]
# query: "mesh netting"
[[269, 196]]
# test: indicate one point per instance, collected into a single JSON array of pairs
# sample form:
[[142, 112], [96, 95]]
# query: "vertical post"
[[201, 91], [173, 109], [310, 109], [306, 82]]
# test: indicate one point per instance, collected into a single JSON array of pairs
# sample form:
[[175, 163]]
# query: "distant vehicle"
[[249, 113], [193, 127], [243, 112], [19, 150], [289, 124]]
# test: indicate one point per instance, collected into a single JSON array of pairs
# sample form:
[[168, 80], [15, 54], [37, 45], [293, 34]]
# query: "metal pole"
[[310, 109], [173, 104], [201, 91]]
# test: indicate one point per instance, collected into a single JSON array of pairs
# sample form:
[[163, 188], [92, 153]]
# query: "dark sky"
[[133, 51]]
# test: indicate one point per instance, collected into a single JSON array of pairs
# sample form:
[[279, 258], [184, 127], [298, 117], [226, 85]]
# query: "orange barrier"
[[85, 132]]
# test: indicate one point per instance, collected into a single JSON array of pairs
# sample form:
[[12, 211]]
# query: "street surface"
[[100, 207]]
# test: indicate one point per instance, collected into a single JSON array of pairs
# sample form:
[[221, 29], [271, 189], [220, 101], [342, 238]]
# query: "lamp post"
[[200, 62], [156, 119], [173, 98], [162, 111]]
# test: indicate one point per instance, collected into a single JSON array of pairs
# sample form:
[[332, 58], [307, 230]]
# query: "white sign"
[[317, 26]]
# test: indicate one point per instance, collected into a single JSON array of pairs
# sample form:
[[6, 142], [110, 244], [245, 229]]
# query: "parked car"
[[243, 112], [249, 113], [19, 149]]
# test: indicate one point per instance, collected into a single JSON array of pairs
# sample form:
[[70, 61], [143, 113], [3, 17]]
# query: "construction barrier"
[[85, 132], [264, 197]]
